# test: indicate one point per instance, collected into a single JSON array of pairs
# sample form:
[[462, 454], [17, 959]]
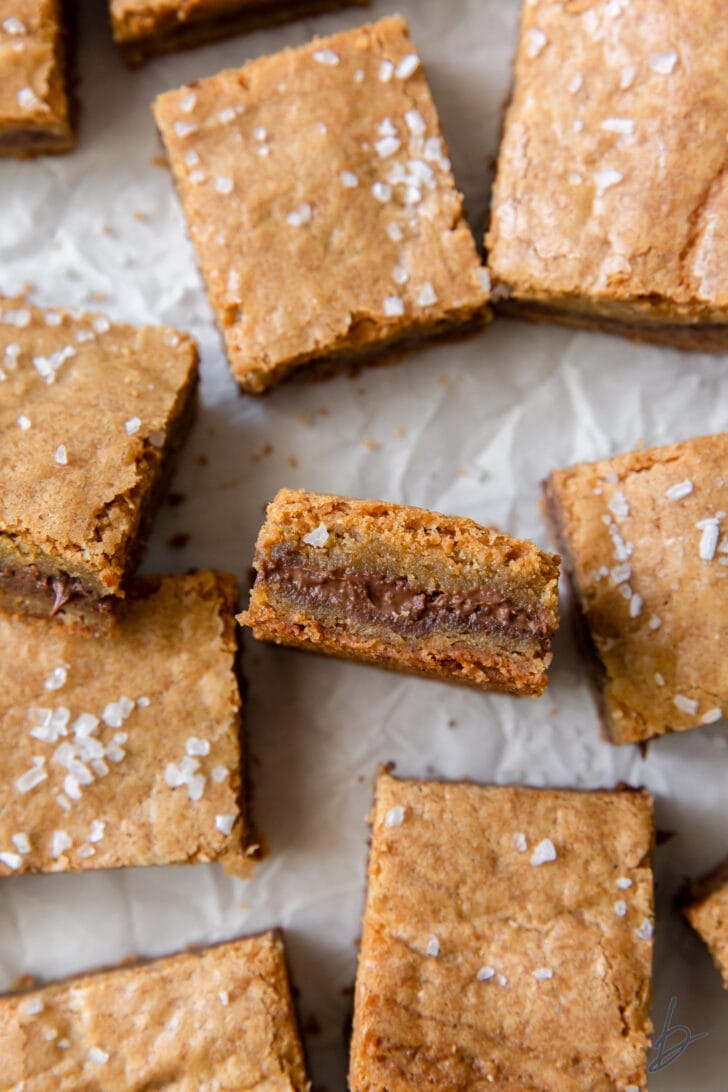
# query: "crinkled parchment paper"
[[469, 428]]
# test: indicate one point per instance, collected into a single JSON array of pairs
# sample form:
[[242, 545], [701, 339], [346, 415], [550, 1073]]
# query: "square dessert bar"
[[146, 27], [124, 749], [706, 908], [406, 589], [90, 416], [35, 108], [321, 202], [596, 221], [645, 542], [507, 940], [218, 1018]]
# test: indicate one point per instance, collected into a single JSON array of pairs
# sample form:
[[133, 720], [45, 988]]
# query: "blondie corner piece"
[[321, 202], [590, 226], [146, 27], [644, 539], [706, 908], [406, 589], [91, 416], [219, 1017], [507, 940], [35, 107], [124, 749]]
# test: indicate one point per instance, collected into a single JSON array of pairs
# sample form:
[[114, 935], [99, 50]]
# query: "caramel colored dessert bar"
[[219, 1018], [91, 415], [596, 220], [123, 749], [146, 27], [406, 589], [34, 102], [507, 940], [707, 911], [645, 543], [320, 199]]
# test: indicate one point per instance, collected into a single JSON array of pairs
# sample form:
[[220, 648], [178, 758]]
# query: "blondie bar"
[[35, 107], [706, 908], [321, 202], [644, 542], [124, 749], [507, 940], [405, 589], [217, 1018], [596, 220], [90, 416], [146, 27]]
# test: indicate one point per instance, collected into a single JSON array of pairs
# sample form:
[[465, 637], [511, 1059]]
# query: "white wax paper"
[[467, 428]]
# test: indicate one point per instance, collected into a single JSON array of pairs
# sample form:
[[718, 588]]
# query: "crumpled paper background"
[[468, 428]]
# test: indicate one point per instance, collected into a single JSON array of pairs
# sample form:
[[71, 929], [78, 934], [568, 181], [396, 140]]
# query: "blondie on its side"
[[596, 220], [507, 940], [217, 1018], [35, 106], [643, 536], [124, 749], [706, 908], [145, 27], [406, 589], [91, 415], [321, 202]]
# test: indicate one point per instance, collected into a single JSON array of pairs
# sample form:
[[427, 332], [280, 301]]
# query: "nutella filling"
[[392, 601], [58, 589]]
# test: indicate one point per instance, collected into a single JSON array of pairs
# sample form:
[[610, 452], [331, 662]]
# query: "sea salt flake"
[[196, 787], [635, 605], [187, 103], [184, 128], [299, 216], [224, 184], [664, 61], [655, 622], [56, 679], [407, 66], [226, 115], [502, 980], [85, 725], [97, 830], [645, 930], [195, 746], [318, 537], [624, 883], [543, 973], [427, 296], [132, 426], [625, 126], [224, 823], [620, 908], [386, 71], [21, 843], [575, 83], [326, 56], [219, 774], [626, 78], [433, 947], [535, 41], [61, 455], [485, 973], [659, 679], [686, 705], [387, 146], [400, 275], [382, 191], [709, 539], [393, 306], [711, 716], [173, 776], [33, 1006], [619, 505], [484, 277], [349, 179], [28, 100], [544, 852], [85, 852], [30, 779], [96, 1054], [60, 842], [680, 490], [519, 842], [13, 26], [11, 860], [224, 998], [23, 422], [394, 817], [620, 573], [359, 75], [415, 122]]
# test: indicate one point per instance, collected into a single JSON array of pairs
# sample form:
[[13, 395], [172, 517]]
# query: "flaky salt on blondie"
[[645, 542], [706, 908], [610, 206], [92, 414], [146, 27], [406, 589], [321, 202], [125, 749], [217, 1018], [507, 940], [35, 108]]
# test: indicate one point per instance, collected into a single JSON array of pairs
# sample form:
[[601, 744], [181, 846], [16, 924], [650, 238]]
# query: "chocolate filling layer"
[[58, 589], [392, 601]]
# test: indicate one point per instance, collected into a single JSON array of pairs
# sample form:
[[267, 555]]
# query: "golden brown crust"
[[643, 539], [480, 968], [90, 415], [151, 772], [706, 908], [588, 223], [325, 162], [147, 27], [34, 102], [426, 555], [220, 1017]]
